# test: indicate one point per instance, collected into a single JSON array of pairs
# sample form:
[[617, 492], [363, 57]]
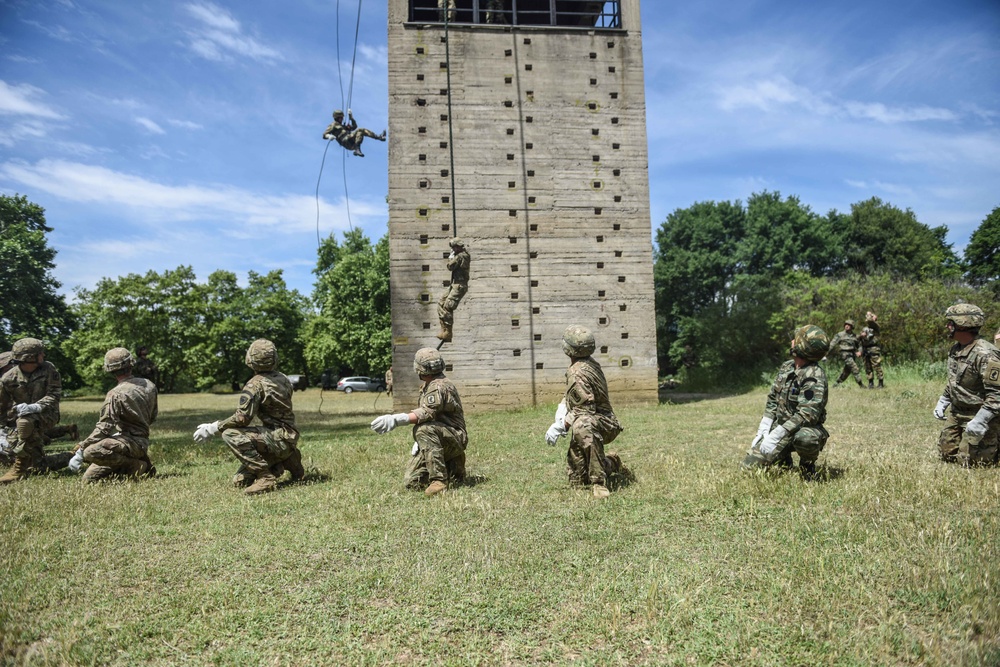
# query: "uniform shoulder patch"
[[245, 398], [991, 376], [432, 399]]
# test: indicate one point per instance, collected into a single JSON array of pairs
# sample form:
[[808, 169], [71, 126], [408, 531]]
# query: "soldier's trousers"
[[955, 445], [114, 456], [807, 442], [440, 455], [585, 459], [258, 447], [28, 442], [450, 6], [873, 363], [850, 368], [449, 303]]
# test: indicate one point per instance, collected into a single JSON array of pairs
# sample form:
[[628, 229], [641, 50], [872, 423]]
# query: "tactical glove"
[[765, 426], [76, 462], [979, 423], [941, 406], [206, 431], [27, 409], [555, 432], [415, 450], [771, 440], [386, 423]]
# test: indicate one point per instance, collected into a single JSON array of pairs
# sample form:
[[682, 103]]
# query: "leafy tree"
[[982, 255], [29, 302], [352, 331], [881, 237]]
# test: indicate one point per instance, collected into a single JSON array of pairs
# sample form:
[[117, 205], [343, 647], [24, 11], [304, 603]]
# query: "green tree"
[[881, 237], [982, 255], [29, 302], [352, 330]]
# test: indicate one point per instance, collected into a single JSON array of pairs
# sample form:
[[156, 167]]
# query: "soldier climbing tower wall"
[[551, 193]]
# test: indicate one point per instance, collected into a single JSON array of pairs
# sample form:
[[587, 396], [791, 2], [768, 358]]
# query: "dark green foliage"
[[29, 303], [982, 255], [352, 332]]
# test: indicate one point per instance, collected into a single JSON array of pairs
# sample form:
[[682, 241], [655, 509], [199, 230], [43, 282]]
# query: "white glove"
[[979, 423], [77, 461], [416, 448], [27, 409], [561, 412], [555, 432], [386, 423], [4, 445], [206, 432], [941, 406], [451, 255], [771, 440], [350, 114], [765, 426]]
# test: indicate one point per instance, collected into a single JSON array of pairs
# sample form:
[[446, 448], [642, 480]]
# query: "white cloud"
[[231, 210], [185, 124], [150, 125], [219, 36], [19, 100], [29, 129]]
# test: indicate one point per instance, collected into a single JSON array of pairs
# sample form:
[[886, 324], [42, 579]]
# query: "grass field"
[[891, 558]]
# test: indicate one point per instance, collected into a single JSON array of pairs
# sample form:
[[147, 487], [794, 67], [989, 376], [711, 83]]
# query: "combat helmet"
[[428, 361], [262, 355], [6, 358], [965, 316], [337, 113], [117, 359], [26, 350], [810, 343], [851, 322], [578, 341], [457, 242]]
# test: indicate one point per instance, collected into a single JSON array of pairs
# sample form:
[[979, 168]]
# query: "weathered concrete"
[[551, 194]]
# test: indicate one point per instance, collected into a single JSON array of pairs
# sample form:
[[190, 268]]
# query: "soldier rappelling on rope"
[[349, 135], [458, 264]]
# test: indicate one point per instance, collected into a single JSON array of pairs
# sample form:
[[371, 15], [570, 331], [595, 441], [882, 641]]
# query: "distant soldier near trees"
[[144, 367], [871, 350], [845, 343]]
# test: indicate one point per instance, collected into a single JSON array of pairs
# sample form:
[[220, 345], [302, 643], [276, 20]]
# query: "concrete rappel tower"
[[520, 126]]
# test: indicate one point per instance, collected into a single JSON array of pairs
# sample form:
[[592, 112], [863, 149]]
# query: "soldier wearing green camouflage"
[[458, 263], [119, 444], [144, 367], [349, 135], [847, 346], [796, 408], [585, 413], [438, 455], [264, 451], [29, 398], [54, 433], [871, 350], [971, 435]]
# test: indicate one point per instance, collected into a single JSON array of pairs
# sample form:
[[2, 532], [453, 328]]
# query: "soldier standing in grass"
[[265, 451], [971, 434], [119, 444], [871, 350], [796, 408], [438, 455], [846, 344], [388, 382], [586, 414], [144, 367], [458, 263], [29, 399]]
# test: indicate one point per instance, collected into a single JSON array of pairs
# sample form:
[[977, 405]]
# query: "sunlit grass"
[[891, 558]]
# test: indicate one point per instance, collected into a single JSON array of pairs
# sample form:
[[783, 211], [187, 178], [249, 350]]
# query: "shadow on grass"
[[680, 397], [622, 479], [826, 474], [473, 480], [312, 476]]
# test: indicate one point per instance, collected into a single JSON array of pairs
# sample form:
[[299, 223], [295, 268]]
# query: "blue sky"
[[162, 134]]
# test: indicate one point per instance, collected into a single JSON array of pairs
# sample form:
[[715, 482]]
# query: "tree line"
[[732, 281]]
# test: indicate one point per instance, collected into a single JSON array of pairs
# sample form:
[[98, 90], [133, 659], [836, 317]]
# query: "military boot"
[[807, 469], [445, 333], [17, 472], [871, 384], [243, 477], [265, 482], [601, 491], [294, 465], [435, 488], [880, 385], [861, 384], [278, 469]]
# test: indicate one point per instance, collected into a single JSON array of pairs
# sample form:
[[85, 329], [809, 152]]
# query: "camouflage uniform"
[[388, 382], [350, 136], [459, 266], [442, 6], [440, 436], [27, 435], [973, 383], [592, 424], [267, 395], [119, 443], [871, 351], [797, 405], [846, 344], [144, 367]]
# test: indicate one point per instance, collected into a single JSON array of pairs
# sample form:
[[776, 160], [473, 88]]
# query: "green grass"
[[892, 558]]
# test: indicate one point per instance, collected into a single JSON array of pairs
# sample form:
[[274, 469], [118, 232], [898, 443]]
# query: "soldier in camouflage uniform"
[[448, 5], [144, 367], [796, 408], [871, 350], [846, 344], [53, 433], [494, 12], [29, 400], [971, 434], [438, 455], [458, 263], [264, 451], [388, 382], [586, 414], [349, 135], [119, 444]]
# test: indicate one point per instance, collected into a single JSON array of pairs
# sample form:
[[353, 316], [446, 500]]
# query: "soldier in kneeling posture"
[[796, 408], [265, 451], [438, 454], [119, 444]]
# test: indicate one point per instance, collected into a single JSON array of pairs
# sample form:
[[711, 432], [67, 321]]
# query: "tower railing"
[[535, 13]]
